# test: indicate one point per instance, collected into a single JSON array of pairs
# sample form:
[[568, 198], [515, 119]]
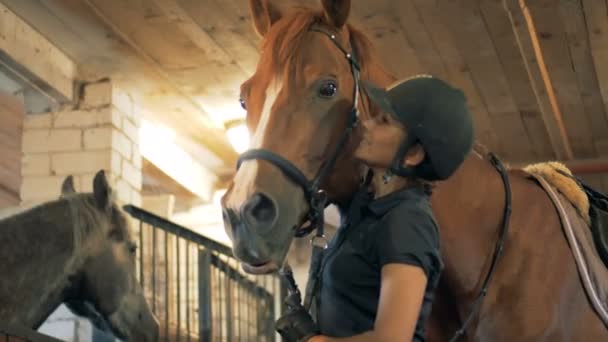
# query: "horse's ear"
[[336, 11], [102, 191], [264, 14], [67, 188]]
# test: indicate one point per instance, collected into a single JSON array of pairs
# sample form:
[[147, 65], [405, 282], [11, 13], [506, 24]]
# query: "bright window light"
[[238, 136]]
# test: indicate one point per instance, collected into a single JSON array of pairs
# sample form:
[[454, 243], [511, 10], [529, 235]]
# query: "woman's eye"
[[328, 89], [243, 104]]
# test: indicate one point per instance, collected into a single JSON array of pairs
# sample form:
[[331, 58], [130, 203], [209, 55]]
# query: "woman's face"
[[380, 141]]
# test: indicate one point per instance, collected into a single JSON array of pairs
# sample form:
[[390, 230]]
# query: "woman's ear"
[[414, 156]]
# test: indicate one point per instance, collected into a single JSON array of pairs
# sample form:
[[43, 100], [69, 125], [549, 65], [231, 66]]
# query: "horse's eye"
[[133, 249], [328, 89], [243, 104]]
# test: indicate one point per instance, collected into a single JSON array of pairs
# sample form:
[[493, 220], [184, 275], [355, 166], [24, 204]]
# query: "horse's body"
[[77, 250], [535, 293]]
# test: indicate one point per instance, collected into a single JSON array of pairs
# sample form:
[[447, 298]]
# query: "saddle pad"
[[591, 269]]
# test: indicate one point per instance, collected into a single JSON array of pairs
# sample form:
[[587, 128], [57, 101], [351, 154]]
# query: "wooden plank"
[[375, 19], [532, 56], [31, 54], [458, 73], [225, 30], [573, 20], [552, 40], [11, 127], [470, 33], [405, 15], [212, 83], [596, 24], [502, 35]]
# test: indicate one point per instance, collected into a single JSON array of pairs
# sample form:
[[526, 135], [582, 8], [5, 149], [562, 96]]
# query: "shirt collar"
[[382, 205]]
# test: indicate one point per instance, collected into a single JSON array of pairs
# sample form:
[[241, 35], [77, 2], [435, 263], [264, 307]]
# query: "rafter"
[[526, 35]]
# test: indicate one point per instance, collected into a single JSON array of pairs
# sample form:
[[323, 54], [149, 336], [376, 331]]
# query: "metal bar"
[[219, 298], [179, 286], [154, 270], [229, 332], [176, 229], [239, 301], [249, 334], [141, 254], [188, 288], [204, 295], [167, 275]]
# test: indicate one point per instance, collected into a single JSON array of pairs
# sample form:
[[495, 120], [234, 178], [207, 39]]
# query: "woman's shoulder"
[[417, 212]]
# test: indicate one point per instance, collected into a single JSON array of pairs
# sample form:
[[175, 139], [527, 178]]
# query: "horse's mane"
[[283, 42], [80, 207]]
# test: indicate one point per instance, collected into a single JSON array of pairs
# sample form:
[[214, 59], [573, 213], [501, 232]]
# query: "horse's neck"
[[36, 260], [469, 210]]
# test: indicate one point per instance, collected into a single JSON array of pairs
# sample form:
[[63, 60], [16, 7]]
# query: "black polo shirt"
[[396, 228]]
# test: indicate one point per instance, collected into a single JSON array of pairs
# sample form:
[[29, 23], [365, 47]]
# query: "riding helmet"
[[435, 115]]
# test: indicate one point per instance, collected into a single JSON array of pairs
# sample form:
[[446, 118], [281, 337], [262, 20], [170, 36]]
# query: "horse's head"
[[299, 105], [107, 279]]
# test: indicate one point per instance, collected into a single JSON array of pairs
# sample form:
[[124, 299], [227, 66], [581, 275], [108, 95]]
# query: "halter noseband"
[[316, 197]]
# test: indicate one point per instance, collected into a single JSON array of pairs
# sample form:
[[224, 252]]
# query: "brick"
[[136, 198], [36, 165], [87, 118], [123, 191], [131, 175], [51, 140], [86, 181], [116, 162], [38, 121], [80, 162], [136, 157], [122, 101], [130, 130], [41, 188], [98, 138], [97, 94], [121, 144]]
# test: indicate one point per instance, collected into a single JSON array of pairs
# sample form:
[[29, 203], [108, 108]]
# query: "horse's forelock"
[[91, 220]]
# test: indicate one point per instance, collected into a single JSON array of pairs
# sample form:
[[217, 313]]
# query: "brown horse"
[[77, 250], [298, 104]]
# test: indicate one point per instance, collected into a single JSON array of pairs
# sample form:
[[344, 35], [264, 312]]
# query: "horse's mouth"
[[264, 268]]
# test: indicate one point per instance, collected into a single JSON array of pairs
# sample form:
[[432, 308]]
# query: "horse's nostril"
[[260, 210]]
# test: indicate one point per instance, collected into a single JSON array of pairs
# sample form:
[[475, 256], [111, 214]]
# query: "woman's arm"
[[401, 294]]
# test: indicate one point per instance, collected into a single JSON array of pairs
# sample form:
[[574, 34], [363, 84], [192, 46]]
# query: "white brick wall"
[[101, 134], [51, 140]]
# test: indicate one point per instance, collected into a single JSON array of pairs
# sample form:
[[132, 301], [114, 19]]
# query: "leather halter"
[[316, 197]]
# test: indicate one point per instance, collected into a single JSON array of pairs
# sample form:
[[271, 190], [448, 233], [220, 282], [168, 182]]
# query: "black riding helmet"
[[436, 116]]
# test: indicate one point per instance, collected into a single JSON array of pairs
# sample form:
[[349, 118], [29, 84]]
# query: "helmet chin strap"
[[397, 167]]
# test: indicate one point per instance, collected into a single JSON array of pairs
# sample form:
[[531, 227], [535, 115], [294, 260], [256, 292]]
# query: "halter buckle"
[[319, 241]]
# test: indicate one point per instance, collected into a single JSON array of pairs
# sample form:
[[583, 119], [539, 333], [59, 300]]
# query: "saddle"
[[598, 213], [590, 203]]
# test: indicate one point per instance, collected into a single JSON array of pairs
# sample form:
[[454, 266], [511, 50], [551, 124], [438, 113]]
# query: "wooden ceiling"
[[535, 72]]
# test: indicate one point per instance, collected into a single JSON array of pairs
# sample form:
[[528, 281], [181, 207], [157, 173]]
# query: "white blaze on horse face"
[[244, 180]]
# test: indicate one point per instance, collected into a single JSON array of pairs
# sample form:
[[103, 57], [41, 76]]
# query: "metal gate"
[[196, 288]]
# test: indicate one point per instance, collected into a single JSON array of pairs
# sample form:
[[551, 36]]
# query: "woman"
[[383, 266]]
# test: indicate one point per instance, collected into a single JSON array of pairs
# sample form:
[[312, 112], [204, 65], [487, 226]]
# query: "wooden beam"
[[197, 35], [525, 33], [597, 33], [35, 59]]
